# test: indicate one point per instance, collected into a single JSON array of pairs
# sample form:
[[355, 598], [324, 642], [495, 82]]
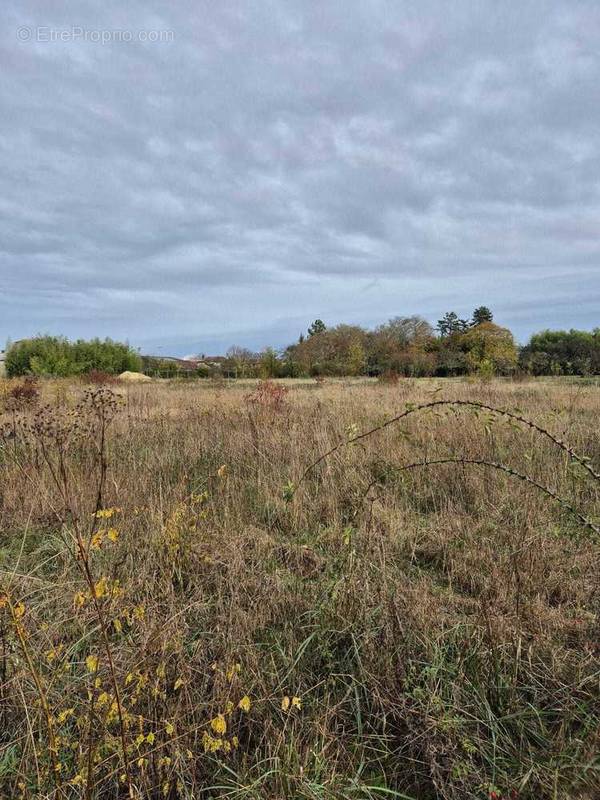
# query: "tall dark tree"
[[318, 326], [451, 323], [482, 314]]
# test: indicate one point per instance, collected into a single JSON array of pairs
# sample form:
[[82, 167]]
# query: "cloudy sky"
[[224, 172]]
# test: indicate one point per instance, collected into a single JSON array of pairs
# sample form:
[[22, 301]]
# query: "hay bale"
[[134, 377]]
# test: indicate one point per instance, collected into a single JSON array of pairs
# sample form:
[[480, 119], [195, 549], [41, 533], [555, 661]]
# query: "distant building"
[[2, 364], [171, 366]]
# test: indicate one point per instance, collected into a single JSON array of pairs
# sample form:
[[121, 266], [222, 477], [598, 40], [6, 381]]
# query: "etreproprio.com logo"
[[77, 33]]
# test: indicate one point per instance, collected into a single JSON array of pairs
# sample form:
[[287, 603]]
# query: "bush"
[[486, 370], [58, 357]]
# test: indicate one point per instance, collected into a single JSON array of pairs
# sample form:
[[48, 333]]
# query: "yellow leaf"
[[112, 534], [117, 624], [150, 738], [285, 703], [296, 703], [218, 724], [96, 540], [105, 513], [19, 610], [222, 471], [79, 599], [178, 684], [91, 663], [211, 745], [245, 703], [68, 712], [169, 728]]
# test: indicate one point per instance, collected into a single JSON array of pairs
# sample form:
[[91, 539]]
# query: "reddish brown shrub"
[[25, 393], [99, 378], [268, 395]]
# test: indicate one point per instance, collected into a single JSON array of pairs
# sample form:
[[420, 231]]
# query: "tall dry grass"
[[183, 617]]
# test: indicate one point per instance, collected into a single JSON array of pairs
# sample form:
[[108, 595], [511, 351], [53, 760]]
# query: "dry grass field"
[[183, 615]]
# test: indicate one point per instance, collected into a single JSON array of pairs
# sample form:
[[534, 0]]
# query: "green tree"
[[451, 324], [570, 352], [269, 365], [482, 314], [318, 326]]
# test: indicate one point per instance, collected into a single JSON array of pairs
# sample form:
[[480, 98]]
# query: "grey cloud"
[[275, 159]]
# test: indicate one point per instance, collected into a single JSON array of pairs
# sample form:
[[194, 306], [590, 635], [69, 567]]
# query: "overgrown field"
[[182, 615]]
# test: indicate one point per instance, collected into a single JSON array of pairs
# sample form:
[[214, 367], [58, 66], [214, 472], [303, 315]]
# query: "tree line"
[[410, 346], [404, 346]]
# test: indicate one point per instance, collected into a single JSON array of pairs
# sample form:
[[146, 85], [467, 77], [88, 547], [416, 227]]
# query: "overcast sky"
[[267, 163]]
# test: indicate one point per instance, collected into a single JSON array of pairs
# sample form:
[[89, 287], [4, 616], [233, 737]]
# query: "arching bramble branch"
[[502, 468], [465, 403]]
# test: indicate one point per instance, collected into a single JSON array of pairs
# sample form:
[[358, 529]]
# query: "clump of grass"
[[178, 621]]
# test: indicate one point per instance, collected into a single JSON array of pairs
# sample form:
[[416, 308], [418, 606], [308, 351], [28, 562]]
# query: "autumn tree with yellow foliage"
[[489, 347]]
